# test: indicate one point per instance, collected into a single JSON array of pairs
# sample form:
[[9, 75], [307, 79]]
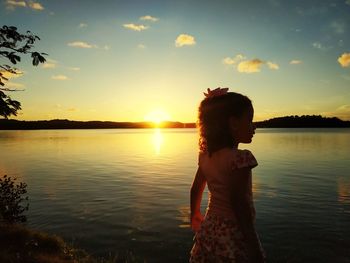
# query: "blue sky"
[[137, 60]]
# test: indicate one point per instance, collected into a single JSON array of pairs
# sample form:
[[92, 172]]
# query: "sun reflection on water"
[[157, 140], [183, 216], [343, 191]]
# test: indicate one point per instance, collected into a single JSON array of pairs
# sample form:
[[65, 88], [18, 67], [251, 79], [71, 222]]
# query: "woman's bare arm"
[[197, 189]]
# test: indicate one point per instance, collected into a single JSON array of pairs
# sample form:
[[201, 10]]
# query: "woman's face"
[[243, 128]]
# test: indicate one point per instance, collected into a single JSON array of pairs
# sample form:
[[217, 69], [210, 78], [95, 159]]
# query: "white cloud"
[[272, 65], [135, 27], [149, 18], [295, 62], [250, 66], [49, 64], [59, 77], [12, 4], [234, 60], [81, 44], [185, 40], [344, 60], [36, 6]]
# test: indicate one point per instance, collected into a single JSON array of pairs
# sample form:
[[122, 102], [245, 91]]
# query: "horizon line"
[[173, 121]]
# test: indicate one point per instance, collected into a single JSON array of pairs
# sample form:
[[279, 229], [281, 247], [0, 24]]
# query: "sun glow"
[[157, 116]]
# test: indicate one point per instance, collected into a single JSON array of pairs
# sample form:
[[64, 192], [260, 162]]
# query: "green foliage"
[[12, 45], [11, 200], [8, 106]]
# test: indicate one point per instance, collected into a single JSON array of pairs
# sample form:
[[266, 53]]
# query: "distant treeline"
[[305, 121], [67, 124]]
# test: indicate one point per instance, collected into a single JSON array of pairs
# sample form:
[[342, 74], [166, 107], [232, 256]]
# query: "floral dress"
[[219, 238]]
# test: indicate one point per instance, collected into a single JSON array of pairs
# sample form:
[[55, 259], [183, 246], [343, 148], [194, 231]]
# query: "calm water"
[[127, 191]]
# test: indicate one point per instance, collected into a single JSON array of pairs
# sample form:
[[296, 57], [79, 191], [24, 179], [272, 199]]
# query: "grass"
[[19, 244]]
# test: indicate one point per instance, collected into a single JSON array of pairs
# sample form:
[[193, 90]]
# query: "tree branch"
[[7, 89]]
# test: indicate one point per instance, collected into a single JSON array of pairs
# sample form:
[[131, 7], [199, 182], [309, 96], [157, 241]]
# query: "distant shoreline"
[[67, 124], [305, 121]]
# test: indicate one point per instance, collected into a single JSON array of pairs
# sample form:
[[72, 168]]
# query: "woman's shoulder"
[[242, 158], [235, 158]]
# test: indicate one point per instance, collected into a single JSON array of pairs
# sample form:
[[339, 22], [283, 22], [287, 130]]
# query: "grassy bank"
[[19, 244]]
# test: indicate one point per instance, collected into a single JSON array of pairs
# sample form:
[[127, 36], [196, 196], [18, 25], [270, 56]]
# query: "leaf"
[[13, 60], [41, 59], [35, 61], [18, 58]]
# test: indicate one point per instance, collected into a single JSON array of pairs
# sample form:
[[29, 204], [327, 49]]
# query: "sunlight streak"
[[157, 140]]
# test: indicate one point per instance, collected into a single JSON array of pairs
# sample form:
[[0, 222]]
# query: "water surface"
[[115, 191]]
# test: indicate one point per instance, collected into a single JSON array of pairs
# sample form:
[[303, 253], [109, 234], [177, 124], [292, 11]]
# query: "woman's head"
[[224, 121]]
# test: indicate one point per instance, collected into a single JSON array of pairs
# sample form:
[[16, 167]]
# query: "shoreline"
[[305, 121]]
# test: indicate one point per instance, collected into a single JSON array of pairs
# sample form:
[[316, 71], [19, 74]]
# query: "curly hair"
[[213, 120]]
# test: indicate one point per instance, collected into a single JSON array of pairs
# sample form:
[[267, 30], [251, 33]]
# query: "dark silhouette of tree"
[[304, 121], [13, 203], [12, 45]]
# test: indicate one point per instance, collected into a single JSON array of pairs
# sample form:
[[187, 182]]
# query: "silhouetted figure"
[[227, 231]]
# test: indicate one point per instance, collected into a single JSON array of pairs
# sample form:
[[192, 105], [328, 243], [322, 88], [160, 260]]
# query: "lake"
[[118, 192]]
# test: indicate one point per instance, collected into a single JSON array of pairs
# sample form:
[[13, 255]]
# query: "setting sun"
[[157, 116]]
